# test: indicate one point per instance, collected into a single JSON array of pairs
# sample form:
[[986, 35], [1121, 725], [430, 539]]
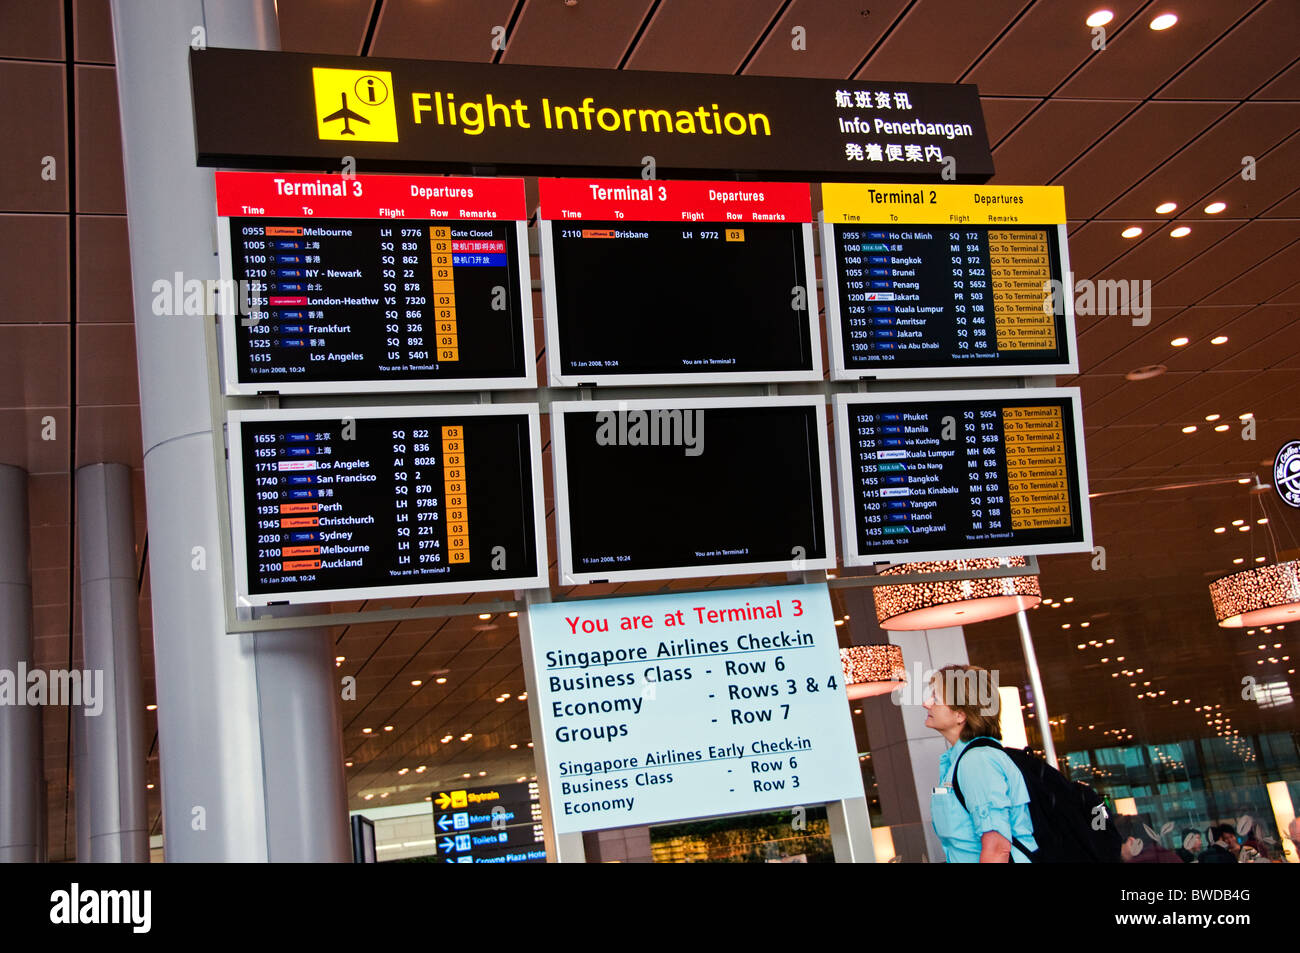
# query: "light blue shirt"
[[996, 800]]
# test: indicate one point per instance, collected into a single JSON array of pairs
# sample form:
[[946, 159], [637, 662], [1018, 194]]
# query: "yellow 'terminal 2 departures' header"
[[846, 203]]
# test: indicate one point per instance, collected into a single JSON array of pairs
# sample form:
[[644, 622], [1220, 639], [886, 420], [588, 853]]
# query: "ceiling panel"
[[691, 37], [1252, 129], [1138, 60], [953, 34], [1003, 113], [1257, 48], [1052, 137], [585, 34], [446, 30], [100, 186], [92, 29], [1042, 48], [1236, 253], [323, 26], [31, 30], [34, 365], [34, 103], [1129, 152], [839, 36], [33, 269], [1285, 86]]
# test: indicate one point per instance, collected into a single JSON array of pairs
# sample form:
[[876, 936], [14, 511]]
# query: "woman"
[[997, 801]]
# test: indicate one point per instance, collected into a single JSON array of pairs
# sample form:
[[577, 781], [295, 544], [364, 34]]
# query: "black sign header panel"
[[256, 109]]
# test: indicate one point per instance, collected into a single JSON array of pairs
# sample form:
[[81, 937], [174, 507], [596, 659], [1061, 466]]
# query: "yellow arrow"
[[443, 800]]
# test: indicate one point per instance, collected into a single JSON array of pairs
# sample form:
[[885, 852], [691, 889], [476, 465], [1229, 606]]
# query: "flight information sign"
[[661, 489], [650, 282], [947, 280], [955, 473], [501, 824], [683, 705], [355, 503], [346, 284]]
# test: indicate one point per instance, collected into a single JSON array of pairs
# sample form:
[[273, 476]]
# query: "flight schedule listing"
[[946, 278], [663, 708], [678, 280], [966, 474], [438, 500], [396, 281], [920, 296]]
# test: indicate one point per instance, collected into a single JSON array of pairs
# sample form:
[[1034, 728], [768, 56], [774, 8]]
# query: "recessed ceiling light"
[[485, 615], [1133, 231], [402, 772], [1179, 342], [1238, 561], [1262, 520], [1260, 559], [1221, 428], [417, 682], [1243, 529], [1212, 417], [1145, 372], [1164, 208], [366, 731], [1099, 18], [441, 681], [1214, 208], [421, 769], [1244, 480], [340, 658], [1164, 21], [1180, 231], [839, 621], [1190, 428], [388, 727], [150, 707], [1245, 416], [445, 738], [347, 764], [1221, 339]]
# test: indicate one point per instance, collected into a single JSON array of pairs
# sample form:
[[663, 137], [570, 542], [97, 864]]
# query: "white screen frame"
[[235, 465], [555, 357], [835, 333], [229, 327], [564, 544], [844, 463]]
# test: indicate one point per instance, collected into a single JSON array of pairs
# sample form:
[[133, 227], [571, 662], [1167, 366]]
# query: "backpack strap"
[[956, 785]]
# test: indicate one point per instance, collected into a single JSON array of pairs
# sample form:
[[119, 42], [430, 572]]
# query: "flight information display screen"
[[667, 282], [650, 489], [373, 283], [932, 475], [365, 502], [937, 291]]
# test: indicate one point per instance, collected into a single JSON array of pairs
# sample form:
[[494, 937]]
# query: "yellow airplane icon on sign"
[[349, 96], [345, 114]]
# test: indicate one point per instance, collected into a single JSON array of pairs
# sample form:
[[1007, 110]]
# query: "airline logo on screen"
[[354, 105]]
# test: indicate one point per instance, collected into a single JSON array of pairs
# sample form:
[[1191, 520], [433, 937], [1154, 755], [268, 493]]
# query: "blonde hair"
[[958, 683]]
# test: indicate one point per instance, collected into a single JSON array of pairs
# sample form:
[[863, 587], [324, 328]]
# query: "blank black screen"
[[753, 494]]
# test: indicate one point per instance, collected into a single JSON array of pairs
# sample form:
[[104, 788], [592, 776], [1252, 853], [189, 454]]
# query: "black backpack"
[[1062, 812]]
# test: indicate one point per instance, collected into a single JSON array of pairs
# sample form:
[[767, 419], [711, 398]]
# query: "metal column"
[[22, 769], [113, 772], [1036, 680], [219, 725]]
